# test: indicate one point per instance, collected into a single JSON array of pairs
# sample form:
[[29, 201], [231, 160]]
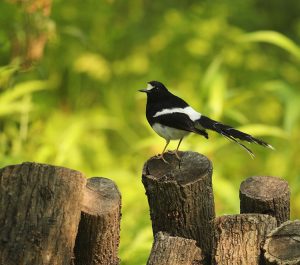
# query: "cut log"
[[180, 197], [282, 245], [40, 213], [239, 238], [98, 235], [266, 195], [168, 250]]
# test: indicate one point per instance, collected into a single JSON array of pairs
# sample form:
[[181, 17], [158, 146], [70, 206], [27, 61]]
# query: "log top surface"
[[284, 243], [234, 219], [101, 196], [264, 187], [190, 168], [40, 169]]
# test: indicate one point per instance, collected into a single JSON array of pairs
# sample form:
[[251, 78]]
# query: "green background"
[[78, 106]]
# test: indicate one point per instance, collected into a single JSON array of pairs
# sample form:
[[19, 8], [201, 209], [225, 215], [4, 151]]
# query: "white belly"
[[169, 133]]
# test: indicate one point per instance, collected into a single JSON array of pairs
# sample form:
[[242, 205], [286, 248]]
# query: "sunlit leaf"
[[217, 96], [236, 116], [94, 65], [292, 113], [211, 72], [264, 130], [6, 73], [22, 89], [15, 107], [274, 38]]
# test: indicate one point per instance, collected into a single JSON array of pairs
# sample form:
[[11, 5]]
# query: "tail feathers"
[[231, 133]]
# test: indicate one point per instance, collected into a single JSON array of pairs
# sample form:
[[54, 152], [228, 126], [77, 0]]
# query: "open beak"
[[144, 90]]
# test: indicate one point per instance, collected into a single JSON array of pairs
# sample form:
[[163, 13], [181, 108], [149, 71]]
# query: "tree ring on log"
[[100, 196], [282, 245]]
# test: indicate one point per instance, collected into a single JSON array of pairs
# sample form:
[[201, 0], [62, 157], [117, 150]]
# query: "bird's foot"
[[161, 156], [174, 152]]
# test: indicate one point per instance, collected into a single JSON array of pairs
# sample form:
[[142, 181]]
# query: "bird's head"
[[154, 87]]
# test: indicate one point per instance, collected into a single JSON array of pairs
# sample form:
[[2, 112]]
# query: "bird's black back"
[[158, 99]]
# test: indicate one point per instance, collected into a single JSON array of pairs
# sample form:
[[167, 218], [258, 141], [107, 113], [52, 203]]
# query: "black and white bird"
[[173, 119]]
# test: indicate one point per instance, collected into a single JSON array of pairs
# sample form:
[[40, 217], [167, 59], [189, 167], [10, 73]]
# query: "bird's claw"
[[161, 156], [175, 153]]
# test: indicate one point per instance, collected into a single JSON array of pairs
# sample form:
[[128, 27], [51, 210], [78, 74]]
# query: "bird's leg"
[[176, 151], [162, 154], [178, 148]]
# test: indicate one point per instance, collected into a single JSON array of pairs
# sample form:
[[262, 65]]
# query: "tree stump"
[[168, 250], [238, 238], [266, 195], [98, 235], [180, 197], [40, 213], [282, 245]]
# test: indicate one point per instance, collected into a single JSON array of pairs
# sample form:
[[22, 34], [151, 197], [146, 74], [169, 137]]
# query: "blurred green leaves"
[[12, 95], [94, 65], [11, 100], [274, 38], [79, 106]]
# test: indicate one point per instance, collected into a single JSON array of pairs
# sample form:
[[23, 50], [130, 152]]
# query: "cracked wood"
[[40, 212], [180, 197]]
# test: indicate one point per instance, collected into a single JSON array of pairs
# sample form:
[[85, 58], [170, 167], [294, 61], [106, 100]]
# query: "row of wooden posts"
[[56, 216]]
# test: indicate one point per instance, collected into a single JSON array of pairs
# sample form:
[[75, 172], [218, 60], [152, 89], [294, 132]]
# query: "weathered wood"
[[168, 250], [39, 214], [266, 195], [98, 235], [238, 238], [282, 246], [180, 197]]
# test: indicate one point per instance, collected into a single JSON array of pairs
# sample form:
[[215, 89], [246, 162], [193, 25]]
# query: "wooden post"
[[98, 235], [180, 197], [167, 250], [238, 238], [266, 195], [39, 213], [282, 245]]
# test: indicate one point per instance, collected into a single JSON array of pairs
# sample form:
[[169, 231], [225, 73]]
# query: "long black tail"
[[231, 133]]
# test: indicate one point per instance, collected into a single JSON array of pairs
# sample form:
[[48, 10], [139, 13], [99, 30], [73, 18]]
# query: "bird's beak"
[[144, 90]]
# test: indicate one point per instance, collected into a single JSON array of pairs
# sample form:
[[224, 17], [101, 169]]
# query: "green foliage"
[[276, 39], [79, 106]]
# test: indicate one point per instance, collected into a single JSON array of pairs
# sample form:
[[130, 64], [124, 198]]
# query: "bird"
[[173, 119]]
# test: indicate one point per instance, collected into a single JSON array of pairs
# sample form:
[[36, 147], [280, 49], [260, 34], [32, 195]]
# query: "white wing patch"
[[193, 115]]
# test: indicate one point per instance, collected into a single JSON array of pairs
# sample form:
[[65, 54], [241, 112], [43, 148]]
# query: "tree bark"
[[266, 195], [282, 245], [98, 235], [168, 250], [40, 213], [238, 238], [180, 197]]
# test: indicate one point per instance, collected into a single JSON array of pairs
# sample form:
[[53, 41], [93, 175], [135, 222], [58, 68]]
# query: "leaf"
[[22, 89], [94, 65], [274, 38], [292, 113], [217, 95], [15, 107], [211, 72], [6, 72], [236, 116], [260, 130]]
